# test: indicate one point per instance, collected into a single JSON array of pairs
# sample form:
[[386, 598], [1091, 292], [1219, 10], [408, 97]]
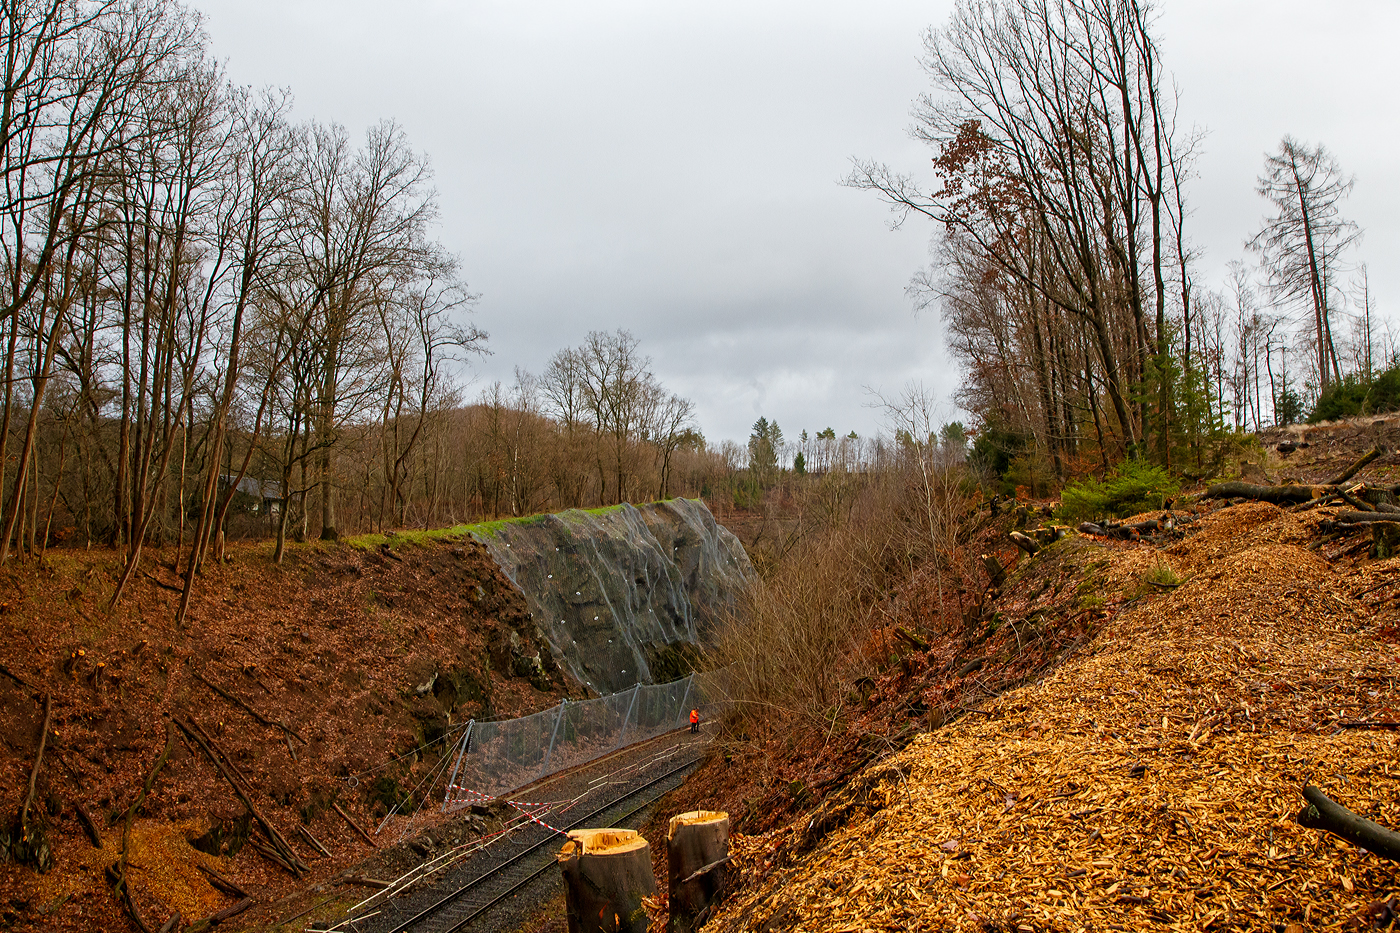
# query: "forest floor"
[[335, 679], [1117, 738]]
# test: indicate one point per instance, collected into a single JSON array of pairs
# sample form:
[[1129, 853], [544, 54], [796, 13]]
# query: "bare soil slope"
[[318, 681]]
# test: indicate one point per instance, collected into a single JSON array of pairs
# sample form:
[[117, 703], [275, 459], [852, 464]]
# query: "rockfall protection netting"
[[494, 758]]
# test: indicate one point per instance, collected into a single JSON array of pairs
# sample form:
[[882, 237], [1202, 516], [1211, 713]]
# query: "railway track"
[[459, 910]]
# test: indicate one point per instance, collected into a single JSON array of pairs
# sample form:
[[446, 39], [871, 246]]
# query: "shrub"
[[1341, 400], [1134, 487], [1354, 396]]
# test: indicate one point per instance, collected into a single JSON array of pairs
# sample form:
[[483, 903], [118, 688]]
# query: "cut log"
[[1355, 468], [1089, 528], [1278, 495], [1024, 543], [911, 638], [606, 872], [1331, 817], [1361, 518], [697, 856], [995, 571]]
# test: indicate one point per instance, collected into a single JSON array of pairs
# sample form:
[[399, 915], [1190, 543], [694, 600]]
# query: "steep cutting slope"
[[1151, 781], [623, 594], [362, 655]]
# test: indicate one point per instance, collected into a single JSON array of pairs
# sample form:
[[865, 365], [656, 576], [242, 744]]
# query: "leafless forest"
[[218, 320], [1064, 266]]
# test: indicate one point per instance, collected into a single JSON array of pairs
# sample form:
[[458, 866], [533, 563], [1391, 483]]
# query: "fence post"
[[461, 750], [628, 718], [544, 767], [681, 712]]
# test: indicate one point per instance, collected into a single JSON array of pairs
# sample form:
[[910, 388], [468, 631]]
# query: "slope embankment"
[[320, 686], [1152, 779]]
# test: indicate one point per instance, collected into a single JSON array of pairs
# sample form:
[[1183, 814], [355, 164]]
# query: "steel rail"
[[456, 895]]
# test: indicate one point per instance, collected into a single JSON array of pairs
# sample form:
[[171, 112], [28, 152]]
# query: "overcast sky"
[[671, 167]]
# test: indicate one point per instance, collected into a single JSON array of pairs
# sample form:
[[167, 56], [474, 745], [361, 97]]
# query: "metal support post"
[[681, 712], [461, 750], [628, 718], [559, 717]]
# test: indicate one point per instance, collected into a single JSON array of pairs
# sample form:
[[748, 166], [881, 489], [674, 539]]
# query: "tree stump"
[[995, 571], [697, 853], [1385, 540], [607, 872]]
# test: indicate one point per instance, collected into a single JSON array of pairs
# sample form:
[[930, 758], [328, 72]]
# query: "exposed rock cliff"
[[622, 594]]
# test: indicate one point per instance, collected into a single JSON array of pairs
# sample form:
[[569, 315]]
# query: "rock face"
[[626, 594]]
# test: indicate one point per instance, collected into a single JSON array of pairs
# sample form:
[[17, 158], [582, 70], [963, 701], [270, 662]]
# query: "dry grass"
[[804, 633]]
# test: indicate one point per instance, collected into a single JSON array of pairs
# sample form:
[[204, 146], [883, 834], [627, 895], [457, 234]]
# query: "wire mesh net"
[[495, 758]]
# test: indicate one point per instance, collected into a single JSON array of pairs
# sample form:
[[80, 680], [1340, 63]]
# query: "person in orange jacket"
[[695, 720]]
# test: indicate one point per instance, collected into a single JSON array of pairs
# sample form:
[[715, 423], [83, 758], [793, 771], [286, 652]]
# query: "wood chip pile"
[[1149, 783]]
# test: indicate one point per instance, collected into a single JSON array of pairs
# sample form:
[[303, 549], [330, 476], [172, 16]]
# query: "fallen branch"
[[353, 825], [1331, 817], [225, 914], [223, 884], [284, 848], [117, 873], [16, 678], [243, 703], [316, 843], [89, 825], [1355, 468], [34, 774], [700, 872], [172, 924], [1354, 502], [271, 854], [232, 765], [160, 583], [1369, 725]]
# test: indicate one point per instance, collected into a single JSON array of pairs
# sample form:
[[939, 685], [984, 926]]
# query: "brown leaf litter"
[[1151, 782]]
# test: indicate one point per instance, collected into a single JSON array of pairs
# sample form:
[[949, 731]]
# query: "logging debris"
[[1150, 782]]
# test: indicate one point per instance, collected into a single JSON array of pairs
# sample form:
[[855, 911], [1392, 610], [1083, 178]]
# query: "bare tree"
[[1301, 241], [364, 217], [1059, 166]]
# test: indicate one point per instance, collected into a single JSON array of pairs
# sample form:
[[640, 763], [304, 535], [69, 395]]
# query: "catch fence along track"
[[458, 910], [478, 877], [494, 758]]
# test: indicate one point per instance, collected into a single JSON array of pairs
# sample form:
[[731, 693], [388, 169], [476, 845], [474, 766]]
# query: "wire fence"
[[495, 758]]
